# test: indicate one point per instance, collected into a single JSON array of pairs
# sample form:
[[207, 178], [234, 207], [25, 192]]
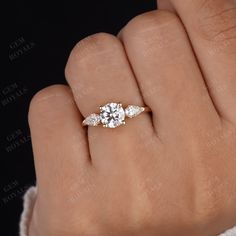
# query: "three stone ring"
[[113, 115]]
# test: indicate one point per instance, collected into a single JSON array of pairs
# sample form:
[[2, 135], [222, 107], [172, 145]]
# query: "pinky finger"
[[59, 141]]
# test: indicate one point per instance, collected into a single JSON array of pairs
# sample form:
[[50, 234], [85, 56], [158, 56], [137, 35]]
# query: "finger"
[[211, 25], [59, 142], [167, 72], [98, 73]]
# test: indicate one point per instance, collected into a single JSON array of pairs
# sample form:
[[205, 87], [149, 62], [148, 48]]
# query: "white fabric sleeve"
[[230, 232], [29, 200], [28, 205]]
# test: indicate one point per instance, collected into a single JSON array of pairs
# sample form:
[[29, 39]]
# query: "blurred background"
[[39, 39]]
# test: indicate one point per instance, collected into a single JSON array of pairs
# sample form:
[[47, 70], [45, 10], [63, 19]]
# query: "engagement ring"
[[113, 115]]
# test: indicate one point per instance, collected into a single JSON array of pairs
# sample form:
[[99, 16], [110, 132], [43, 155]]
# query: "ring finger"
[[99, 73]]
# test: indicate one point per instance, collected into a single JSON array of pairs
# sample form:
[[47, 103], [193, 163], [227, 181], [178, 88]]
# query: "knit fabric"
[[29, 199]]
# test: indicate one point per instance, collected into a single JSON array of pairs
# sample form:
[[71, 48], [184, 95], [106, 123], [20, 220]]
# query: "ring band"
[[113, 115]]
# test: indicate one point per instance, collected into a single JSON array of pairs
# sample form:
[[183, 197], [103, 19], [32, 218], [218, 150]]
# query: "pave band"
[[113, 115]]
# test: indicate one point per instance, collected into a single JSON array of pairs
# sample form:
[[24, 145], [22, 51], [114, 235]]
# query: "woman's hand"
[[172, 173]]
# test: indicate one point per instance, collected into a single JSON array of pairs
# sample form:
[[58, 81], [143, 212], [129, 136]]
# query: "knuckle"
[[151, 20], [94, 45], [216, 22], [45, 96], [155, 29], [210, 201]]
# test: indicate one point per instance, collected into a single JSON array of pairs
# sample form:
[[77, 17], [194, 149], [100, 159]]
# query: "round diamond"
[[112, 115]]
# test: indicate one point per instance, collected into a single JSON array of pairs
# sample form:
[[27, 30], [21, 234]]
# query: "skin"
[[169, 173]]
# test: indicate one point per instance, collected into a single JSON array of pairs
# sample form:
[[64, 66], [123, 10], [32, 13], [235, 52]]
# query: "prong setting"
[[113, 115]]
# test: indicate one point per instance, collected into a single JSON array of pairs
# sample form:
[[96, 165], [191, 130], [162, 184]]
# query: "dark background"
[[39, 40]]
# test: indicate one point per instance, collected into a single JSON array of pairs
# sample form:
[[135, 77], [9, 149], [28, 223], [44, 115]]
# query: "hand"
[[172, 173]]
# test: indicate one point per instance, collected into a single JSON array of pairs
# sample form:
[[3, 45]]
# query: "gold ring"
[[113, 115]]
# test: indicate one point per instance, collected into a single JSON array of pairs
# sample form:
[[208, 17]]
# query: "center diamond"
[[112, 115]]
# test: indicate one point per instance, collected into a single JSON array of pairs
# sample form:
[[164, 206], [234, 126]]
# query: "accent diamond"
[[92, 120], [132, 111], [112, 115]]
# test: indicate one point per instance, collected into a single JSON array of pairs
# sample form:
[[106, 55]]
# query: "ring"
[[113, 115]]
